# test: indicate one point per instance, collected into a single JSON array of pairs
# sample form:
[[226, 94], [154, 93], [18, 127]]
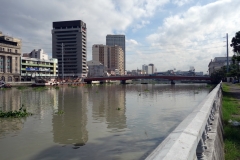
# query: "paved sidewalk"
[[234, 90]]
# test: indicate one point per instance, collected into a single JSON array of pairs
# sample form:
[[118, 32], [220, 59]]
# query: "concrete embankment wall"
[[198, 136], [16, 84]]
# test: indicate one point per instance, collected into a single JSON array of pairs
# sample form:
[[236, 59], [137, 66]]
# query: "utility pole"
[[62, 64], [227, 53]]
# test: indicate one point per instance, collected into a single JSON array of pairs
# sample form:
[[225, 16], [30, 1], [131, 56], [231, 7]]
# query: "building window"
[[9, 79], [16, 51], [3, 78], [1, 64], [9, 63], [16, 64]]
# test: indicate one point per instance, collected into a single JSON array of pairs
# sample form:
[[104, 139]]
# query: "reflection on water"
[[108, 104], [98, 121], [70, 128]]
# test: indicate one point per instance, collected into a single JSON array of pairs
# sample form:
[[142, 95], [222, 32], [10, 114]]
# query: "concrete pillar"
[[89, 82], [123, 81], [172, 82]]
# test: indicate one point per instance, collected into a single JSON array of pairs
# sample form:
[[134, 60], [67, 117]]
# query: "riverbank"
[[231, 114]]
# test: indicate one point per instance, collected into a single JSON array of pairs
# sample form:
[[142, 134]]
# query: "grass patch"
[[225, 87], [231, 111]]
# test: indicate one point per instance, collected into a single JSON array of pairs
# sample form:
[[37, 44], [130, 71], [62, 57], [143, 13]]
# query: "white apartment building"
[[148, 69], [39, 54], [96, 69], [110, 56], [145, 68], [217, 63]]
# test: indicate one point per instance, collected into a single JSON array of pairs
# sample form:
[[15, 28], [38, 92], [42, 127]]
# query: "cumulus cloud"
[[183, 39], [181, 2], [195, 36], [131, 42], [140, 25], [32, 20]]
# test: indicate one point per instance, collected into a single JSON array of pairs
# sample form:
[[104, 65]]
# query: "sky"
[[171, 34]]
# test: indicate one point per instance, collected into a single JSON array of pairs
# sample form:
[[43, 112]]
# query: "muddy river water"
[[93, 121]]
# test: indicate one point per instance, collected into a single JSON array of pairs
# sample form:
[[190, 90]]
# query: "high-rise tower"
[[69, 40], [112, 40], [110, 56]]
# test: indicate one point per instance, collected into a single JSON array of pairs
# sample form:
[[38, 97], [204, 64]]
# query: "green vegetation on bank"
[[15, 114], [22, 87], [231, 111], [40, 88]]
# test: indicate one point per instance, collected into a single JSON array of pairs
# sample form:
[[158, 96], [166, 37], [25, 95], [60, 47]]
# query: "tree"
[[219, 75], [236, 43], [236, 57]]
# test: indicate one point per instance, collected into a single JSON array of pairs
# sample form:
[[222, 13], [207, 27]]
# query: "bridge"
[[167, 77]]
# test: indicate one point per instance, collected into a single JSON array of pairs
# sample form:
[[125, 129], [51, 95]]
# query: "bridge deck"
[[124, 78]]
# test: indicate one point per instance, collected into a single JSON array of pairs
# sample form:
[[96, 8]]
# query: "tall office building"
[[69, 39], [112, 40], [110, 56]]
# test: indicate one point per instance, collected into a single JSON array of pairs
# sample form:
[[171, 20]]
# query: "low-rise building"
[[96, 69], [10, 54], [40, 67]]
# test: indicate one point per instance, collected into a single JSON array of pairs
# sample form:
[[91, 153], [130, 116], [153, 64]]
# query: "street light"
[[62, 64]]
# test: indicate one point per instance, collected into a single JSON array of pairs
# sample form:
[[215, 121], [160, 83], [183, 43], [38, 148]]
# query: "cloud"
[[131, 42], [195, 36], [181, 2], [141, 25], [191, 37], [32, 20]]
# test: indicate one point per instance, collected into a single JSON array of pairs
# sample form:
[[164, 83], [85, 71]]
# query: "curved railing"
[[198, 136]]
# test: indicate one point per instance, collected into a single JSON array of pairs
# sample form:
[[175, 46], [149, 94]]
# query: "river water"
[[94, 121]]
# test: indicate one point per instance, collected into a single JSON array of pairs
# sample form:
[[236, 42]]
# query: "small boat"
[[43, 82], [4, 85]]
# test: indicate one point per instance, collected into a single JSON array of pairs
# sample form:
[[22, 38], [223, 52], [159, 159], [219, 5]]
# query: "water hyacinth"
[[15, 114]]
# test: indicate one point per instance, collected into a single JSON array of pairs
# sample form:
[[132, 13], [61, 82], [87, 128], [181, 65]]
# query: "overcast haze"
[[168, 33]]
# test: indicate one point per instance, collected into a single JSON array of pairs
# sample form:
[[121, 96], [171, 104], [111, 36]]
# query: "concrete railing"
[[198, 136]]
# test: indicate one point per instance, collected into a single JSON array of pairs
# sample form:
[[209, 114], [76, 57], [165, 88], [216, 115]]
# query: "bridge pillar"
[[123, 81], [89, 82], [172, 82]]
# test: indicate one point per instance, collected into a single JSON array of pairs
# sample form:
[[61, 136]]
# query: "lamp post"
[[62, 64]]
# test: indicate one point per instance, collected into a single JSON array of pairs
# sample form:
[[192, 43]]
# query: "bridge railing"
[[190, 140]]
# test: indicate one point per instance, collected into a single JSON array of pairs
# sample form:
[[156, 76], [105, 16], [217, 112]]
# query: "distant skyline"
[[168, 33]]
